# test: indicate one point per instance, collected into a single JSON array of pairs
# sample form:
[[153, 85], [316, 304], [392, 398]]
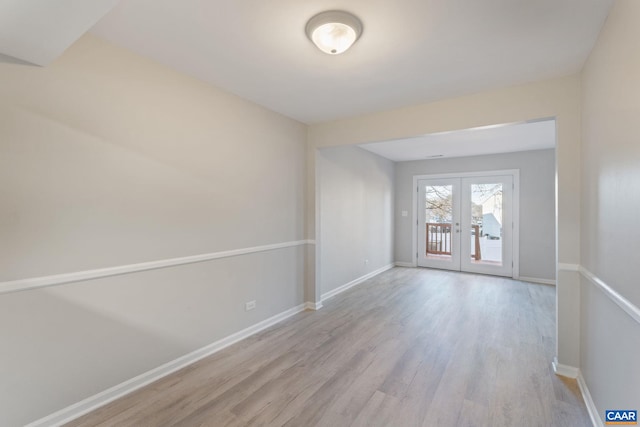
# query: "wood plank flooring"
[[410, 347]]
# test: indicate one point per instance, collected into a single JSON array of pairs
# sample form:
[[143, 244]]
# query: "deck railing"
[[439, 239]]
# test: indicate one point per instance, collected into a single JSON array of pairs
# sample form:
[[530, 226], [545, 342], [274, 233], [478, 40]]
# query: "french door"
[[466, 224]]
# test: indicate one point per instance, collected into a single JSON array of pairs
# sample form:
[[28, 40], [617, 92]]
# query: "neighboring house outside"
[[487, 210], [491, 226]]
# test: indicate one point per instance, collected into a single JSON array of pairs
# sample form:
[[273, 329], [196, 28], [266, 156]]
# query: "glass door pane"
[[487, 225], [439, 219], [438, 223]]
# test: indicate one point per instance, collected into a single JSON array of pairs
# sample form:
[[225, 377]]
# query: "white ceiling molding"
[[38, 31]]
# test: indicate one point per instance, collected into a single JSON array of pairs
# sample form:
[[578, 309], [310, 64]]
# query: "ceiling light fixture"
[[334, 31]]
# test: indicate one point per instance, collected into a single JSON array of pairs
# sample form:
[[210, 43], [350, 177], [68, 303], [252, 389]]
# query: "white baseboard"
[[574, 373], [312, 305], [355, 282], [565, 370], [96, 401], [588, 401], [404, 264], [537, 280]]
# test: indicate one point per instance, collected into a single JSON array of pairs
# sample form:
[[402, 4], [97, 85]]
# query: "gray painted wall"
[[356, 214], [537, 203], [610, 234], [107, 159]]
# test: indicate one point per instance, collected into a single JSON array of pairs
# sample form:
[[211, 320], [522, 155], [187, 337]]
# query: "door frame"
[[514, 173]]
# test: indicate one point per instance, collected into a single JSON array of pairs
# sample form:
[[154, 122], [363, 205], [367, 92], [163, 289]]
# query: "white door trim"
[[515, 173]]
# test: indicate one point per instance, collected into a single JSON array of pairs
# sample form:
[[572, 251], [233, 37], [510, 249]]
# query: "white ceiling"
[[469, 142], [38, 31], [411, 51]]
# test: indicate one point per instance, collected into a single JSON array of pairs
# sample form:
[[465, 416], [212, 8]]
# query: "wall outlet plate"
[[249, 305]]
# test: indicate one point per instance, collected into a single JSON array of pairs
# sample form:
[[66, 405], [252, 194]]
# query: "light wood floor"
[[410, 347]]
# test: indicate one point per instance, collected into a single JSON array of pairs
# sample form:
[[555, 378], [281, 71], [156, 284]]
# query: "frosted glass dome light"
[[334, 32]]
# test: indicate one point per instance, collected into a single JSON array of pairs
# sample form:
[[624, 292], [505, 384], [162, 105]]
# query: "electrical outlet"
[[366, 261], [249, 305]]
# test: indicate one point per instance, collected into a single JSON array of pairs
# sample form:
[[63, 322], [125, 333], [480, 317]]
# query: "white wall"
[[108, 159], [610, 342], [356, 214], [537, 203]]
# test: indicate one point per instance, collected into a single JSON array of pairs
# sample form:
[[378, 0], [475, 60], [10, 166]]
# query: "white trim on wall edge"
[[571, 372], [537, 280], [626, 305], [588, 401], [355, 282], [568, 267], [312, 305], [574, 373], [404, 264], [61, 279], [96, 401], [564, 370]]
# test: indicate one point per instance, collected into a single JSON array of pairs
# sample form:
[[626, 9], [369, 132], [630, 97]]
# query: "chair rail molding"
[[626, 305], [79, 276]]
